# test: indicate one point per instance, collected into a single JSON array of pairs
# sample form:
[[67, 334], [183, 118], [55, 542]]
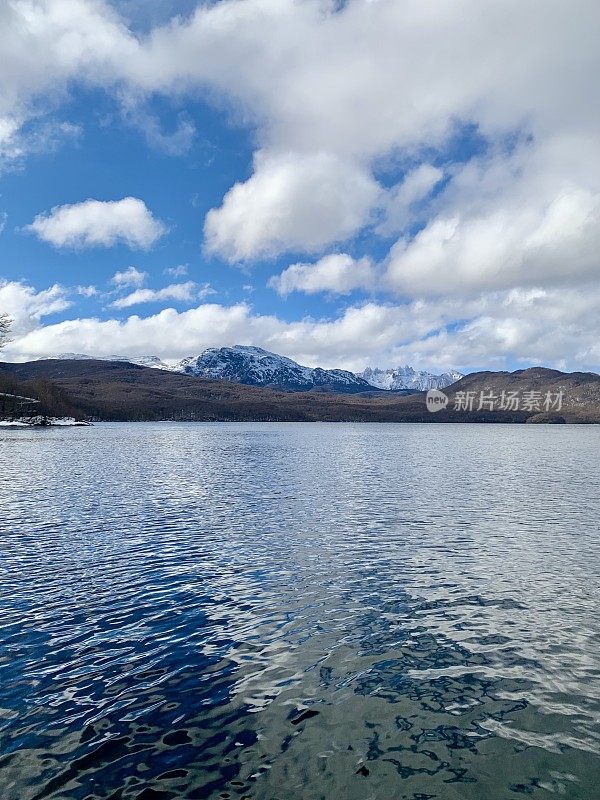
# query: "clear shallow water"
[[300, 611]]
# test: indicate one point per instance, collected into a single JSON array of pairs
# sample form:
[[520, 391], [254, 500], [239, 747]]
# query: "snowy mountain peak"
[[142, 361], [257, 367], [408, 378], [150, 361]]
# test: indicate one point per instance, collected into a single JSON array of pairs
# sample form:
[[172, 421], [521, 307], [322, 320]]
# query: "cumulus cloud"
[[335, 87], [337, 274], [506, 223], [46, 46], [354, 83], [97, 223], [291, 202], [492, 329], [335, 93], [553, 327], [27, 307], [176, 291], [129, 277], [316, 77]]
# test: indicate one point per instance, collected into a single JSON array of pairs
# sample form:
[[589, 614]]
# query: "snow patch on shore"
[[47, 422]]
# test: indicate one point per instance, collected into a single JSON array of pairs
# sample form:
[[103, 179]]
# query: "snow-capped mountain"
[[70, 357], [408, 378], [154, 362], [142, 361], [257, 367]]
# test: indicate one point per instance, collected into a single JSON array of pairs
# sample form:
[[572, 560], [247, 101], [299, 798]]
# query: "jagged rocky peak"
[[257, 367], [408, 378]]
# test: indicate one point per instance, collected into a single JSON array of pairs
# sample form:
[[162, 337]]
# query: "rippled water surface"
[[295, 612]]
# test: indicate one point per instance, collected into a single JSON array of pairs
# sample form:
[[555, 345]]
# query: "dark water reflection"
[[300, 611]]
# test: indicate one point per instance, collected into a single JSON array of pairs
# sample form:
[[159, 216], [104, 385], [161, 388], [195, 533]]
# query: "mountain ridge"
[[104, 390], [255, 366], [406, 377]]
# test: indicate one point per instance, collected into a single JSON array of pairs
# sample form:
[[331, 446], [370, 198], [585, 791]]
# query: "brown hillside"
[[122, 391]]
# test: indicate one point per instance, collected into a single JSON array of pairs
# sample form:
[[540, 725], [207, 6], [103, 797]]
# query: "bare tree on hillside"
[[5, 323]]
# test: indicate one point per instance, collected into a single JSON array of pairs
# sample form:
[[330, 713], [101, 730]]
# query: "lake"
[[300, 611]]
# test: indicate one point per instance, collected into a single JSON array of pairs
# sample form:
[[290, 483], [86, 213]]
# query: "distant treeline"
[[53, 400], [101, 390]]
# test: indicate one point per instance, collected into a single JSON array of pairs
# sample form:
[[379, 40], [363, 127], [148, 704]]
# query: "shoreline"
[[43, 422]]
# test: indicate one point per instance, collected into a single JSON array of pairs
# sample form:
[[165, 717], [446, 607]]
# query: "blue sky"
[[367, 183], [108, 160]]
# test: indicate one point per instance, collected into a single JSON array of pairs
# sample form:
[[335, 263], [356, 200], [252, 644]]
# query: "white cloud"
[[399, 207], [338, 273], [27, 307], [355, 83], [3, 219], [315, 77], [87, 291], [10, 148], [177, 142], [334, 93], [129, 277], [176, 272], [506, 223], [97, 223], [176, 291], [44, 137], [46, 45], [292, 202], [558, 327], [491, 330]]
